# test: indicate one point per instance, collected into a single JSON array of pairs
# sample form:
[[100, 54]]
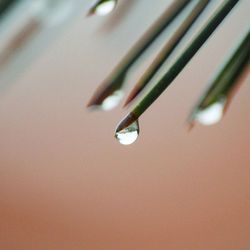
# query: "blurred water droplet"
[[211, 114], [104, 7], [112, 101], [129, 134]]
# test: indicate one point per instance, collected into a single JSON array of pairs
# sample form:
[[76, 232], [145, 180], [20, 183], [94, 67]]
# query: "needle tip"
[[133, 94], [90, 12], [128, 100], [99, 96], [106, 101], [109, 93], [128, 120], [93, 102]]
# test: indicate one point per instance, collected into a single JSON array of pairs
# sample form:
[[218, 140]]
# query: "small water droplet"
[[104, 7], [112, 101], [211, 114], [129, 134]]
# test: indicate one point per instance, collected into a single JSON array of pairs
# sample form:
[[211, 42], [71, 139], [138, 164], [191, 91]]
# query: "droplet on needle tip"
[[106, 101], [108, 96], [211, 114], [103, 7], [112, 101], [127, 135]]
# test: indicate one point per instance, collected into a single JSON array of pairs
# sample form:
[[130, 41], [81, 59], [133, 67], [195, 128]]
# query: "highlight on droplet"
[[103, 7], [112, 101], [211, 114], [129, 134]]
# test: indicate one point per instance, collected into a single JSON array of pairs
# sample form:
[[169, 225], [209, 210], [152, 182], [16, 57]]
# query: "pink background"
[[65, 182]]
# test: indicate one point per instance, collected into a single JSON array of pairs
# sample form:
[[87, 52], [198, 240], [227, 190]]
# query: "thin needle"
[[5, 5], [222, 86], [180, 63], [167, 50], [116, 79]]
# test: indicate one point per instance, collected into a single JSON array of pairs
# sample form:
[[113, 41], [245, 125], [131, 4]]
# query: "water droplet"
[[129, 134], [112, 101], [211, 114], [104, 7]]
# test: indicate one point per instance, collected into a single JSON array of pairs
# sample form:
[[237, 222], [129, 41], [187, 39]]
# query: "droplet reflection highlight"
[[210, 115], [103, 8], [129, 134]]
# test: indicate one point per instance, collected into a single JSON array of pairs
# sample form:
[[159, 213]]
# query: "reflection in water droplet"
[[129, 134], [212, 114], [105, 7], [112, 101]]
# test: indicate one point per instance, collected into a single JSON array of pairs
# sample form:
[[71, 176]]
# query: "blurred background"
[[66, 183]]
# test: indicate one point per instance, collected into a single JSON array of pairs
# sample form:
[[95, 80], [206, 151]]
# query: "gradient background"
[[65, 182]]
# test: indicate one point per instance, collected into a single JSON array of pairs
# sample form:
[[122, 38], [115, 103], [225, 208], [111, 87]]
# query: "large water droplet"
[[212, 114], [129, 134], [104, 7], [112, 101]]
